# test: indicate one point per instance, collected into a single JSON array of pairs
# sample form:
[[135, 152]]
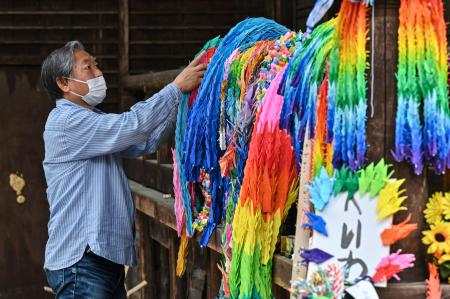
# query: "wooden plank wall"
[[30, 30]]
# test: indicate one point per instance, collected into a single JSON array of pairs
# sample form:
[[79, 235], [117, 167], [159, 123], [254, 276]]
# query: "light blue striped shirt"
[[88, 193]]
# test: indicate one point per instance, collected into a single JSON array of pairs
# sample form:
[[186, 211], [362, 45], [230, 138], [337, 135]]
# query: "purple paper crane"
[[314, 255]]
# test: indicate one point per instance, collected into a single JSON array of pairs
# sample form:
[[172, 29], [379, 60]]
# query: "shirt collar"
[[66, 102]]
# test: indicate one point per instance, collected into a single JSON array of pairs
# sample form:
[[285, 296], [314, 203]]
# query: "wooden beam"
[[412, 290], [150, 81]]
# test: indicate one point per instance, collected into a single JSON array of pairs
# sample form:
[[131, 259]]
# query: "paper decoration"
[[373, 178], [390, 201], [316, 223], [398, 231], [422, 86], [391, 265], [434, 290], [353, 234], [362, 290]]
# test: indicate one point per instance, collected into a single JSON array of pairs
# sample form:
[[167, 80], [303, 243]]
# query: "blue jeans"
[[91, 277]]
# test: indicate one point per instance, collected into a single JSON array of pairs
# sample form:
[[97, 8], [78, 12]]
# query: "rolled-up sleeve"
[[136, 131]]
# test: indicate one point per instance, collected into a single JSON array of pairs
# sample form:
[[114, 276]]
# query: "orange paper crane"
[[398, 231], [434, 290]]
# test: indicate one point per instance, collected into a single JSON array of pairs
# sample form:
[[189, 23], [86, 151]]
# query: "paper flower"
[[437, 238], [320, 190], [434, 290], [391, 265], [389, 199], [398, 231], [316, 223], [446, 205], [314, 255], [435, 208], [346, 180], [373, 178]]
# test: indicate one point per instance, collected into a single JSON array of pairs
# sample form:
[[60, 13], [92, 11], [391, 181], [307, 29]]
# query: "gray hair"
[[58, 65]]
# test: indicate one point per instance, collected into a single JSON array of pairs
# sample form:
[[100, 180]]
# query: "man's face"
[[84, 68]]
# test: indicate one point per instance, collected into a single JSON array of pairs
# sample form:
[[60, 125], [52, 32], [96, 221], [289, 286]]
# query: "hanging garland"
[[422, 87], [347, 87], [247, 76], [200, 147], [184, 198]]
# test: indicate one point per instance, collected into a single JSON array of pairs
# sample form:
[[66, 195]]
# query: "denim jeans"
[[91, 277]]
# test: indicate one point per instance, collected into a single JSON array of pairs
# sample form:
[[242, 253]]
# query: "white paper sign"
[[362, 290], [353, 235]]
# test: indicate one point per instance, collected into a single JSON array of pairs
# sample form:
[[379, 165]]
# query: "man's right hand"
[[191, 76]]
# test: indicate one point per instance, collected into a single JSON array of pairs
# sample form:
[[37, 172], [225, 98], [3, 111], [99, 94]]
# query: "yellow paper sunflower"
[[444, 258], [437, 238], [435, 208], [446, 205]]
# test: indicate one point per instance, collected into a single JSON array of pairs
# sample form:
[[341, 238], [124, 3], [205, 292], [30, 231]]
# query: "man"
[[91, 227]]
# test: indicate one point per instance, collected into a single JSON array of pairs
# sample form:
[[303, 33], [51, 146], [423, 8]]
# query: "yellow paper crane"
[[389, 199]]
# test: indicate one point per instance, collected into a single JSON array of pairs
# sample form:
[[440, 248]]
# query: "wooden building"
[[153, 39]]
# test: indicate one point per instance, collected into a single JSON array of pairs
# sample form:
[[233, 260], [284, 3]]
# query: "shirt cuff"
[[174, 92]]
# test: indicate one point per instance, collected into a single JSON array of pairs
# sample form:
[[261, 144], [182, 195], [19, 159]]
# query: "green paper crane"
[[373, 178], [345, 180]]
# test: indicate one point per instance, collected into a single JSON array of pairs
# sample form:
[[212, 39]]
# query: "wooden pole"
[[124, 59]]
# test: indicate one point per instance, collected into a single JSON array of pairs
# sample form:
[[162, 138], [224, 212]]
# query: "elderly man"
[[91, 232]]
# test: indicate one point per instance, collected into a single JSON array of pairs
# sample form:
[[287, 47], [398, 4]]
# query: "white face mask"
[[97, 90]]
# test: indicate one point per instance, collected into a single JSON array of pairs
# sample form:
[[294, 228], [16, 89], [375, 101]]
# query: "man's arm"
[[89, 134], [158, 137]]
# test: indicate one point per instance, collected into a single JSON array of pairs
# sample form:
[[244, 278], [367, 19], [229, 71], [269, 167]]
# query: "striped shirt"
[[88, 193]]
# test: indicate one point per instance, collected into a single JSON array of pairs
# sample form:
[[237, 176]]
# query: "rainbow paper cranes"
[[422, 87], [270, 176], [304, 81], [201, 149], [247, 75], [183, 197], [347, 86]]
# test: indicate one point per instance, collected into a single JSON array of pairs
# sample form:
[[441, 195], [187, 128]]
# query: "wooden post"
[[125, 99], [177, 284], [214, 275], [150, 258], [164, 153], [140, 230]]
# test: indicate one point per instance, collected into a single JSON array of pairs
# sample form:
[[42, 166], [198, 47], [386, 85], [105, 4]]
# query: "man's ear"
[[63, 84]]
